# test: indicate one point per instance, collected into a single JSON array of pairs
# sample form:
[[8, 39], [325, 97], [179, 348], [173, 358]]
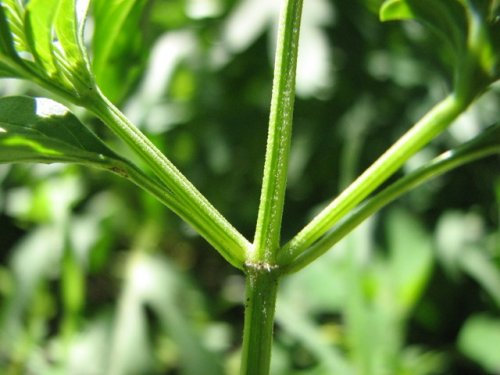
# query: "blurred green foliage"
[[97, 278]]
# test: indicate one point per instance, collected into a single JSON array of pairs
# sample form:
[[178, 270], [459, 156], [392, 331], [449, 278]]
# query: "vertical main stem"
[[267, 235], [261, 293], [261, 270]]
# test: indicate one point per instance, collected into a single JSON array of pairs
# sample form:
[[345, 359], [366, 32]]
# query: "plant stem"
[[433, 123], [262, 275], [267, 236], [487, 144], [261, 293], [184, 198]]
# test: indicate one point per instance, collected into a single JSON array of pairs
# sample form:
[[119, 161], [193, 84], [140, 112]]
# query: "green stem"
[[432, 124], [267, 236], [487, 144], [179, 194], [261, 293], [262, 275]]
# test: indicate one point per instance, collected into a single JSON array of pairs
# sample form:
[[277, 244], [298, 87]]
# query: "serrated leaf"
[[14, 14], [41, 130], [45, 38], [39, 18], [68, 26]]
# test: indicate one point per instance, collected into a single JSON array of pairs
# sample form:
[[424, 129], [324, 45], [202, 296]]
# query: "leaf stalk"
[[431, 125], [184, 198]]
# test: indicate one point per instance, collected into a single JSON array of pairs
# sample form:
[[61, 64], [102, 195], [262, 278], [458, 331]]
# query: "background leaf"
[[411, 259], [446, 17], [479, 339], [116, 41]]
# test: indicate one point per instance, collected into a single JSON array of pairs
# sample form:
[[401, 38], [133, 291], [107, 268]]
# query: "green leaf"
[[38, 25], [68, 26], [14, 15], [411, 258], [6, 41], [43, 43], [41, 130], [479, 340], [396, 10], [471, 34], [115, 41], [447, 18]]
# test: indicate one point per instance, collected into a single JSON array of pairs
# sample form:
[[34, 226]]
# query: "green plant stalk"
[[489, 144], [431, 125], [262, 275], [267, 236], [261, 293], [184, 198]]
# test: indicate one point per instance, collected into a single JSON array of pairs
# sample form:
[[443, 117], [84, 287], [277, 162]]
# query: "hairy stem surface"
[[262, 275], [486, 145], [432, 124], [261, 293], [184, 198], [267, 236]]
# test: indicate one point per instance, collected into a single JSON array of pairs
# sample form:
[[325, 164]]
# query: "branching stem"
[[432, 124], [188, 202], [485, 145]]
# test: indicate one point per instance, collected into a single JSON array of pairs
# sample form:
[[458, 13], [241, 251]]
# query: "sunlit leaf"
[[38, 24], [41, 130], [396, 10], [14, 14], [42, 40], [68, 26]]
